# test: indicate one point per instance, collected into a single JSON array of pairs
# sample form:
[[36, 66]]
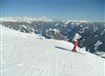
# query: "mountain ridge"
[[24, 19], [30, 19]]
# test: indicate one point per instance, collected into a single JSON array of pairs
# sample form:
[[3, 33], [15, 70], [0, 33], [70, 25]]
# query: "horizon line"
[[53, 19]]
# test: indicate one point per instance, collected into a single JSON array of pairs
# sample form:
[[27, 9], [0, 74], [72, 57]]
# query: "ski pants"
[[75, 46]]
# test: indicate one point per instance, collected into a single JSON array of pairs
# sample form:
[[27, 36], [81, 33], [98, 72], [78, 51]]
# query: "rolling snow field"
[[22, 54]]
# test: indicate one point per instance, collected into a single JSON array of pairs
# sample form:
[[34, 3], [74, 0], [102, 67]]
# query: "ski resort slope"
[[24, 55]]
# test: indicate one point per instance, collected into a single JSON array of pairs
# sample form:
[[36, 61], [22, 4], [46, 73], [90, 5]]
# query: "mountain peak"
[[76, 21], [24, 19]]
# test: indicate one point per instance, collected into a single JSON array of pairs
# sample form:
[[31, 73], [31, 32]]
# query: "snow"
[[101, 54], [77, 22], [97, 44], [23, 54], [24, 19], [103, 32]]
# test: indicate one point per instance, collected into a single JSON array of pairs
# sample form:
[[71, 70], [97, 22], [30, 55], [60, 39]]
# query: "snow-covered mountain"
[[24, 19], [22, 54], [44, 19], [93, 33], [77, 22]]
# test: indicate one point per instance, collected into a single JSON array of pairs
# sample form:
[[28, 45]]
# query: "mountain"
[[76, 21], [93, 33], [24, 19], [23, 54]]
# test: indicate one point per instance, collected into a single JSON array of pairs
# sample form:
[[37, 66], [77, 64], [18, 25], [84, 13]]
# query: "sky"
[[55, 9]]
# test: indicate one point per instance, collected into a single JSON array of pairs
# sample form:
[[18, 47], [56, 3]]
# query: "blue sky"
[[55, 9]]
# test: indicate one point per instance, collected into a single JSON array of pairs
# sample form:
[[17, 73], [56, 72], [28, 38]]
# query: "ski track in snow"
[[25, 55]]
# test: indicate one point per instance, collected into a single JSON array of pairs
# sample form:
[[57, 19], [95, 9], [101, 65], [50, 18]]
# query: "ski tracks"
[[38, 65], [40, 72]]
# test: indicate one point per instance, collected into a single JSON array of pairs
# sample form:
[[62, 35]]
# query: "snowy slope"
[[24, 55]]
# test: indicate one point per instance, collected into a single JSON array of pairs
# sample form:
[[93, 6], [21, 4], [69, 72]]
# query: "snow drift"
[[24, 55]]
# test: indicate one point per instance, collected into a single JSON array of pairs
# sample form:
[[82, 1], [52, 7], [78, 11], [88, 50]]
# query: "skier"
[[75, 39]]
